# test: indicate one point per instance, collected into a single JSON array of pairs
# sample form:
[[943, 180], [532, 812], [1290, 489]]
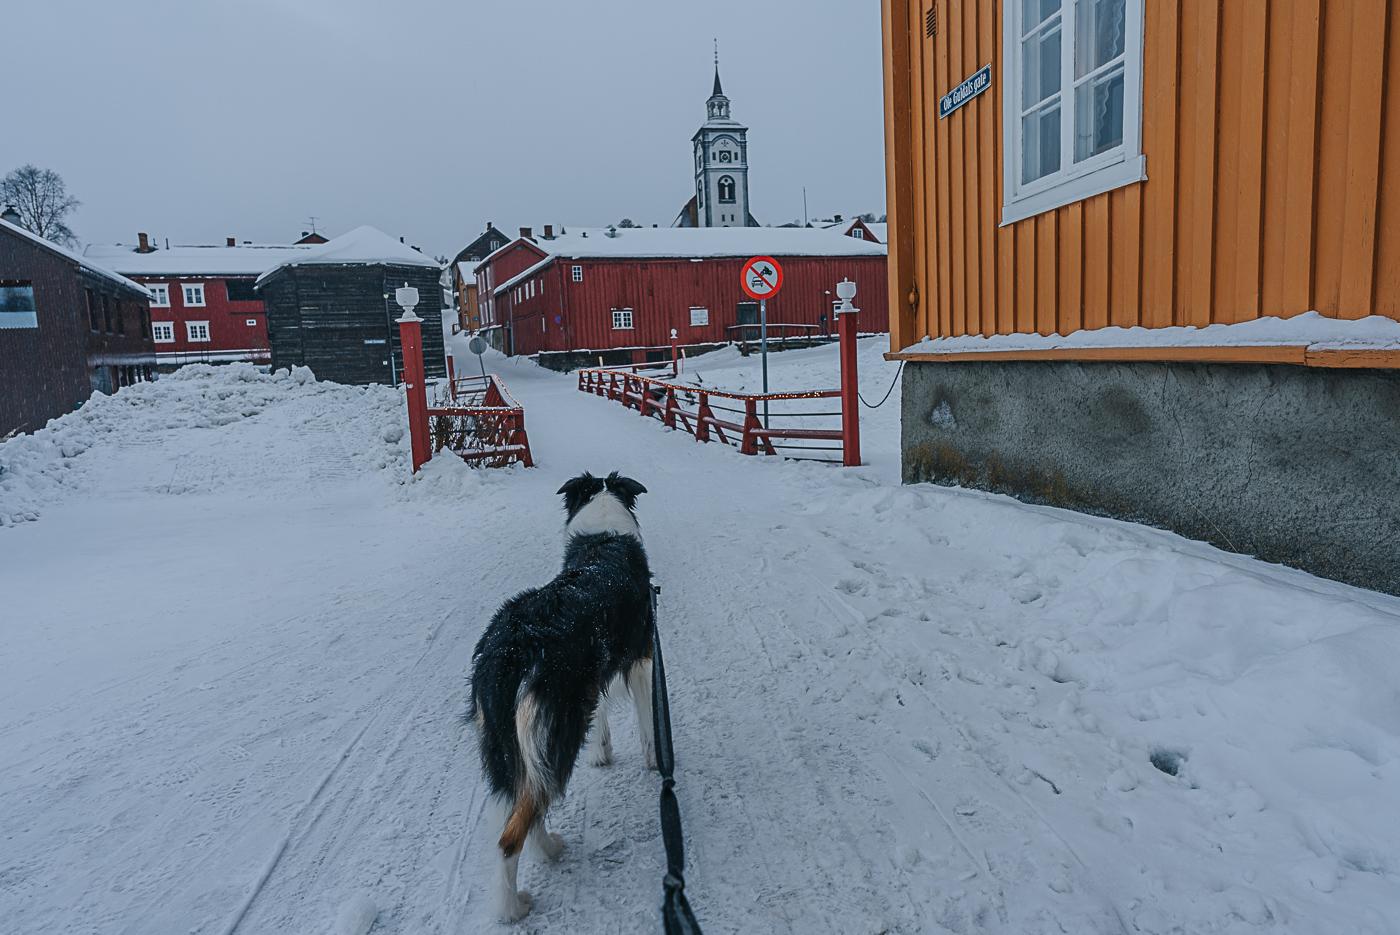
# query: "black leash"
[[675, 908], [887, 392]]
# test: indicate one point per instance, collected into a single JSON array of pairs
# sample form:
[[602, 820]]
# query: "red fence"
[[479, 421], [695, 409]]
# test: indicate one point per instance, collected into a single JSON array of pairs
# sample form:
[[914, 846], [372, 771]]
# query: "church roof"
[[718, 91]]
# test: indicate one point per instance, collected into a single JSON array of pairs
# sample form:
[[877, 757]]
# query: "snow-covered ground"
[[235, 643]]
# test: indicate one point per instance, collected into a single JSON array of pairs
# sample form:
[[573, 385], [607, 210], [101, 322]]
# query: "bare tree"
[[628, 222], [42, 201]]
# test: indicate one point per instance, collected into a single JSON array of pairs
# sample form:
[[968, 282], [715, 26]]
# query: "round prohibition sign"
[[762, 277]]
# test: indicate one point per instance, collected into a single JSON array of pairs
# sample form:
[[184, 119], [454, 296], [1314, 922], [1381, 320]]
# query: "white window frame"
[[1123, 165], [250, 322], [197, 332], [160, 294], [704, 316], [622, 319], [186, 288], [576, 274], [166, 328], [857, 233]]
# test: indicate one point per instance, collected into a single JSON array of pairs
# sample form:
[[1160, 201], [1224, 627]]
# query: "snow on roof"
[[693, 243], [880, 229], [88, 265], [468, 270], [364, 245], [196, 259], [1311, 330]]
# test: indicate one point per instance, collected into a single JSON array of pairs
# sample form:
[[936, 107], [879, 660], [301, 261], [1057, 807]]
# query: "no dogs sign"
[[762, 277]]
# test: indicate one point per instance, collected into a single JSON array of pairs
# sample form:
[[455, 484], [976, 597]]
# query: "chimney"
[[12, 216], [837, 217], [527, 233], [144, 244], [232, 242], [400, 240], [490, 226], [549, 232], [304, 233]]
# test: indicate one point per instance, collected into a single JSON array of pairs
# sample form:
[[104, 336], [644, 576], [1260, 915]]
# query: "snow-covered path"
[[234, 659]]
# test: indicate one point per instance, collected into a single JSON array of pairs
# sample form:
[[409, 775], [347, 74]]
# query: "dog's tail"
[[534, 783]]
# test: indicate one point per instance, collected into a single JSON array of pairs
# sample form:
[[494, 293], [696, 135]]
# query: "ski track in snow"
[[234, 682]]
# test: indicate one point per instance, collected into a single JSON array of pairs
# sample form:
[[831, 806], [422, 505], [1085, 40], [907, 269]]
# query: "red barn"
[[203, 308], [567, 297]]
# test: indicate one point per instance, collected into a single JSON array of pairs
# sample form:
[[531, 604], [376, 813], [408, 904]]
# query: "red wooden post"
[[643, 396], [850, 387], [452, 376], [749, 443], [669, 417], [702, 417], [675, 355], [411, 337]]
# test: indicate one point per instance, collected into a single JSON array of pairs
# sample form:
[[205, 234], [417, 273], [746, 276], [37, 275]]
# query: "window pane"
[[17, 306], [1100, 30], [1098, 115], [1040, 73], [1034, 12], [1040, 144]]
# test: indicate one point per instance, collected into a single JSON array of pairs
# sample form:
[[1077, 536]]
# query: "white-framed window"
[[541, 282], [250, 322], [197, 331], [1072, 110], [160, 294], [577, 274], [622, 318], [699, 316], [857, 233], [194, 294], [163, 332], [543, 327]]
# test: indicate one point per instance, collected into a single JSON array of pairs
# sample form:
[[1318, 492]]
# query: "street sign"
[[477, 345], [762, 277], [965, 92]]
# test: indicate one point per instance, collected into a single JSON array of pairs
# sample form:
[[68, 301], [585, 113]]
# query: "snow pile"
[[151, 423], [1311, 330]]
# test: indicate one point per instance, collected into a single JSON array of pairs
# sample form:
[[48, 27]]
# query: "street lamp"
[[407, 297]]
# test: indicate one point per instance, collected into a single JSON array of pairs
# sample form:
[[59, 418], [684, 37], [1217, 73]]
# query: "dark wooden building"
[[332, 308], [67, 328], [464, 295]]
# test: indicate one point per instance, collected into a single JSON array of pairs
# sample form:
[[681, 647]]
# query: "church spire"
[[718, 91]]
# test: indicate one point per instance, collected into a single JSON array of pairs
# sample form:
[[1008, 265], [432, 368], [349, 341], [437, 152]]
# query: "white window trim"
[[163, 327], [576, 274], [190, 328], [631, 320], [159, 289], [699, 324], [185, 296], [250, 322], [1096, 175]]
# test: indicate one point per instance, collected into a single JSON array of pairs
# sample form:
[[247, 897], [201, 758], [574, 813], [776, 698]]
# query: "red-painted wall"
[[230, 336], [563, 315]]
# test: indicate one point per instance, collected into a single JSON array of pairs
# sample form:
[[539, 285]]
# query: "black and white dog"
[[547, 659]]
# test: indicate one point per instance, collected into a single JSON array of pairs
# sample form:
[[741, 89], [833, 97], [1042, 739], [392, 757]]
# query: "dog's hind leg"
[[511, 903], [600, 743], [549, 844], [639, 684]]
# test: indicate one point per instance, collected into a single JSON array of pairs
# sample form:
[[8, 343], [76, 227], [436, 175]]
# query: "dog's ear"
[[624, 488], [577, 491]]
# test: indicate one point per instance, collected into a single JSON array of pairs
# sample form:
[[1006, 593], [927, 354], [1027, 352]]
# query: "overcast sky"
[[426, 118]]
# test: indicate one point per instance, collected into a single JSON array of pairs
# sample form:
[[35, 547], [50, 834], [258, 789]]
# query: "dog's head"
[[601, 504]]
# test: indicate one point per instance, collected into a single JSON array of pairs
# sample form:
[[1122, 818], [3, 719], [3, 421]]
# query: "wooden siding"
[[661, 292], [339, 320], [1272, 140]]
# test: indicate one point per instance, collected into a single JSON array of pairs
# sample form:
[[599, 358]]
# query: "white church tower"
[[721, 168]]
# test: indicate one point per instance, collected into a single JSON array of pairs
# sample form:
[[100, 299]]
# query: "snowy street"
[[235, 644]]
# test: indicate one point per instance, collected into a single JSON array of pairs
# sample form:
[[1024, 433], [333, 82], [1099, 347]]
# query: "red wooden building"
[[203, 308], [574, 296]]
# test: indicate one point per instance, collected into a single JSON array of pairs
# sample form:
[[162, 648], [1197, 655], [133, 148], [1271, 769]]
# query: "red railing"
[[693, 408], [476, 419], [480, 422]]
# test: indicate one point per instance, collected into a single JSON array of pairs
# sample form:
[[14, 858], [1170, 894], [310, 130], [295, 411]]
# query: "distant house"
[[464, 282], [68, 328], [311, 238], [331, 308], [621, 291], [203, 307], [855, 227]]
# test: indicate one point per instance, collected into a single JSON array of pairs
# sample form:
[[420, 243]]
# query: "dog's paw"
[[516, 909], [551, 845], [600, 754]]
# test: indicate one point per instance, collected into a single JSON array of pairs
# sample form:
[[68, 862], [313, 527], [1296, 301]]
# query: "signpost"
[[762, 278], [477, 345]]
